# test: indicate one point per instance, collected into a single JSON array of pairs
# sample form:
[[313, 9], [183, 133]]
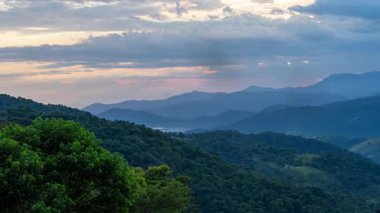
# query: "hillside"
[[172, 124], [218, 186], [138, 117], [369, 148], [209, 122], [303, 161], [354, 118]]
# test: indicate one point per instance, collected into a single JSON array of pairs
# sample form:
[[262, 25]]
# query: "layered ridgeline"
[[352, 125], [218, 103], [217, 185], [205, 110], [354, 118]]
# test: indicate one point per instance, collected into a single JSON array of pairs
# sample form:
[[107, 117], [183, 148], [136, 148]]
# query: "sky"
[[80, 52]]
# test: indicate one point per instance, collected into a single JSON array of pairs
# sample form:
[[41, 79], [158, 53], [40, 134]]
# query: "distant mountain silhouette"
[[192, 110], [258, 89], [243, 101], [192, 105], [145, 105], [354, 118], [347, 85]]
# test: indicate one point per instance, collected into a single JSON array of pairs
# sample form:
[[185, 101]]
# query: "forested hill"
[[218, 186], [296, 159]]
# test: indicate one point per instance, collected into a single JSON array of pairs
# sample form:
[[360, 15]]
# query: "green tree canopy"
[[57, 166], [164, 193]]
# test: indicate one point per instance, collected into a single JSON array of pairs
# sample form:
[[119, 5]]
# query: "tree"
[[163, 193], [57, 166]]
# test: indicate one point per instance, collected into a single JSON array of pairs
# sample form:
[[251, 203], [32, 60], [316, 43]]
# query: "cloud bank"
[[161, 48]]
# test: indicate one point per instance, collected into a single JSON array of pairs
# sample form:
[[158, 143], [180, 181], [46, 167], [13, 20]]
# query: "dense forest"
[[303, 161], [217, 186], [57, 166]]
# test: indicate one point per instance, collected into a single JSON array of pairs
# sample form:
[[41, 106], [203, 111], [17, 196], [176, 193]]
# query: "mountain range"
[[181, 108], [201, 110]]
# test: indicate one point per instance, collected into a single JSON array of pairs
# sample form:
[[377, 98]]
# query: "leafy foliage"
[[58, 166], [163, 194]]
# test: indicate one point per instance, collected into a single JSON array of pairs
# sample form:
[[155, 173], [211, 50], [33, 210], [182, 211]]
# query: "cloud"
[[163, 47], [367, 9], [32, 74], [115, 15], [230, 46], [233, 37], [220, 44]]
